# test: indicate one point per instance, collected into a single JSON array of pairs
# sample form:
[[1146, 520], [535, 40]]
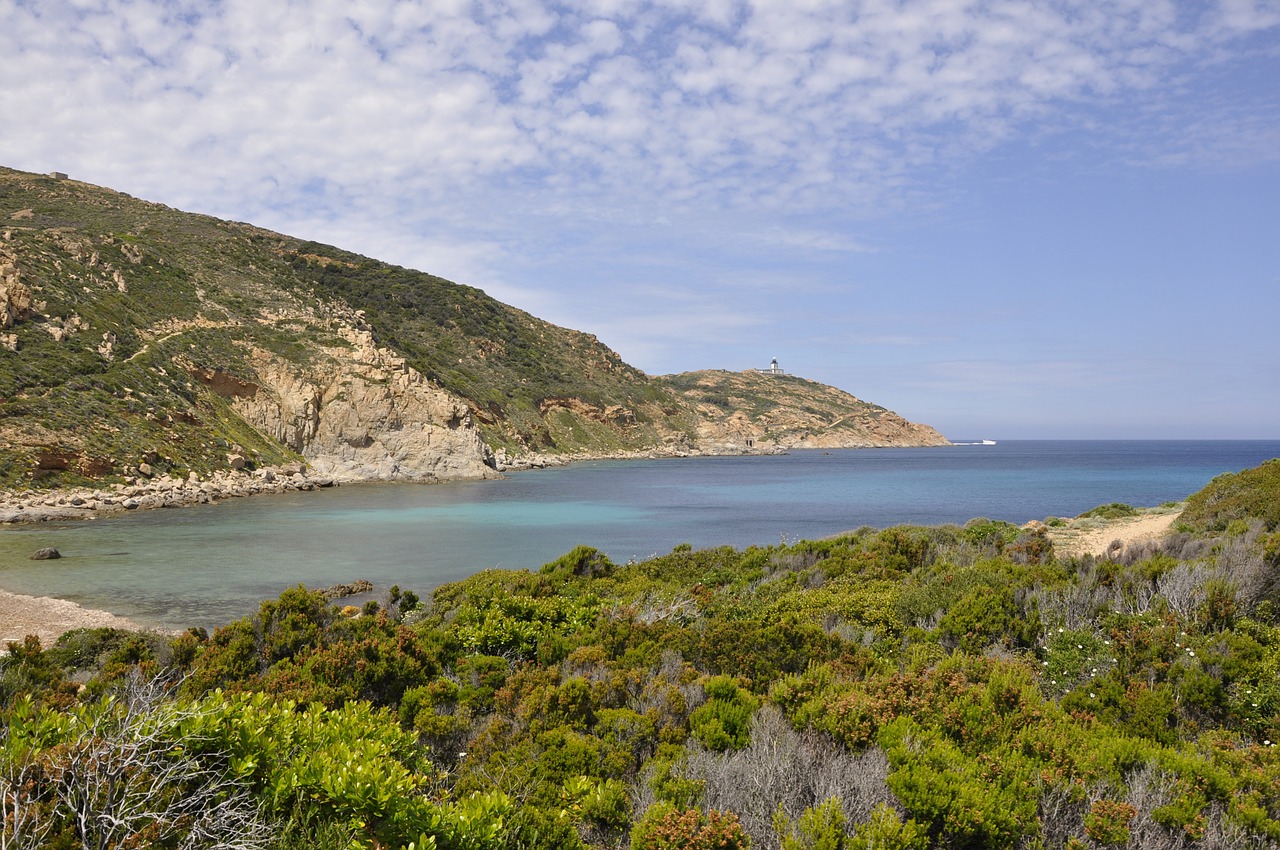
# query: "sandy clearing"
[[1094, 536]]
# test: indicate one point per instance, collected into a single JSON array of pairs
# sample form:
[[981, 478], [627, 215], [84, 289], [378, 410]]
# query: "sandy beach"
[[49, 618]]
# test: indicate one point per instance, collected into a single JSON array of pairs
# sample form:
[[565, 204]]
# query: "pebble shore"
[[159, 492]]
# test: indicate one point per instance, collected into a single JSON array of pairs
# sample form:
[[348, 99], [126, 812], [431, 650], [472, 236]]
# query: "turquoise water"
[[206, 565]]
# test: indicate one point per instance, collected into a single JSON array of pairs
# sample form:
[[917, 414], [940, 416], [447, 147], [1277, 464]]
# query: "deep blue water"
[[206, 565]]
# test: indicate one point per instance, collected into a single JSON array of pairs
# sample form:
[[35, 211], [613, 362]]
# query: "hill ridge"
[[133, 334]]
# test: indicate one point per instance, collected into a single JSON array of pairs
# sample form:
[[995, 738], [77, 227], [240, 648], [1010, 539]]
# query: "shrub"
[[724, 721], [887, 831], [1108, 821], [1114, 510], [665, 827], [819, 827]]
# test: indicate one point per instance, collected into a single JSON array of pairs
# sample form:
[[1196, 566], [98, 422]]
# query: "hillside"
[[138, 337]]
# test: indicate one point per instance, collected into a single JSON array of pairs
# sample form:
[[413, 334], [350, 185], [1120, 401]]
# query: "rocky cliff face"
[[359, 414], [15, 299]]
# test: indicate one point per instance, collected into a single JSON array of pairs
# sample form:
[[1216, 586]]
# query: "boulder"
[[46, 554]]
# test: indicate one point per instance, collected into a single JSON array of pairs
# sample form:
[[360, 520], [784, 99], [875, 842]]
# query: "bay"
[[207, 565]]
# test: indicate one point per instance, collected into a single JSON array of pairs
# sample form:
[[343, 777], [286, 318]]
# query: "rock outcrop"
[[364, 414], [15, 296]]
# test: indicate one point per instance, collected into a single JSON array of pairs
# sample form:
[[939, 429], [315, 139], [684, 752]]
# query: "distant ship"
[[974, 443]]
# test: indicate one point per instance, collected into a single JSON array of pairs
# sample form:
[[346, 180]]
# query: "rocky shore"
[[519, 463], [159, 492], [48, 618]]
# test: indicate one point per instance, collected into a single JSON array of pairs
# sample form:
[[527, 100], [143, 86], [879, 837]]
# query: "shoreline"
[[59, 504], [84, 503], [49, 617]]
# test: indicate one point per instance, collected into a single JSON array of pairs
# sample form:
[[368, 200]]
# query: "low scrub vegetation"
[[902, 688]]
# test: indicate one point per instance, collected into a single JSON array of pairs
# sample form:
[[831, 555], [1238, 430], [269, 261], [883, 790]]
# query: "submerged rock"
[[48, 553]]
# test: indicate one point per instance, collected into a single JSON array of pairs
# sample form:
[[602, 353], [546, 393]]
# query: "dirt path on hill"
[[1095, 536]]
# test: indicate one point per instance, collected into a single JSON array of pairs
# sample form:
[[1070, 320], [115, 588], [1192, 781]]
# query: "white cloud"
[[777, 102], [497, 141]]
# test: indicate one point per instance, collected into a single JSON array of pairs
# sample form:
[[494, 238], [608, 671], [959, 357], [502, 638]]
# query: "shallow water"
[[205, 565]]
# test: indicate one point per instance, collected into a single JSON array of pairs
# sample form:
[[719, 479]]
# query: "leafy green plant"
[[820, 827], [724, 721]]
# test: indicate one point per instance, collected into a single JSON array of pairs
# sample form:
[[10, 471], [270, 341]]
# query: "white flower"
[[1092, 695], [1079, 646]]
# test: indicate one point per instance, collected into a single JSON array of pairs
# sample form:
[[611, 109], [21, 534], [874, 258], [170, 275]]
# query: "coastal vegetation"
[[909, 687]]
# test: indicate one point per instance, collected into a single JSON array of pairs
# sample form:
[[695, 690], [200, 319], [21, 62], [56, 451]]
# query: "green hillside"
[[131, 331]]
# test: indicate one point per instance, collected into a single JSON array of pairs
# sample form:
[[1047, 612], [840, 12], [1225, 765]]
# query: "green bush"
[[723, 722], [1114, 510], [820, 827]]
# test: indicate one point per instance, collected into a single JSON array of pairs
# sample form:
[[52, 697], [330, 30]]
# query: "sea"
[[206, 565]]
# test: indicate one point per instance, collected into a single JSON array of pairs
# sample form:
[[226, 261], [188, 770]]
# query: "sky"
[[1008, 220]]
